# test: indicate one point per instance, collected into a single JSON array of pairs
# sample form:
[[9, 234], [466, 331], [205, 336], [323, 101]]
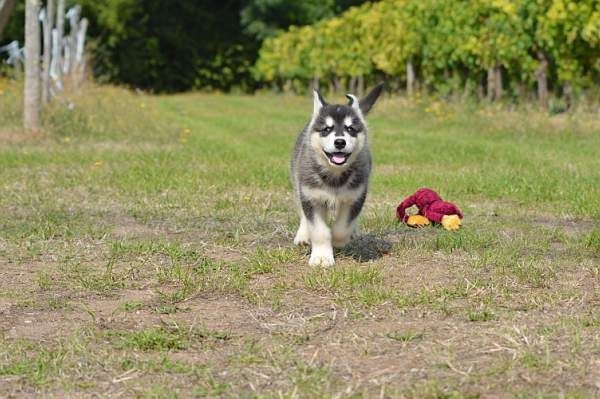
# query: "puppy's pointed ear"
[[367, 103], [318, 102], [353, 101]]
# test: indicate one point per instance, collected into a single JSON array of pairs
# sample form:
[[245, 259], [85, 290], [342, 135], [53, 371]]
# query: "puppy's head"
[[338, 132]]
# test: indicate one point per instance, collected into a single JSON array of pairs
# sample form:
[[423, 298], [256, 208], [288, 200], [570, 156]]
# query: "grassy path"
[[145, 250]]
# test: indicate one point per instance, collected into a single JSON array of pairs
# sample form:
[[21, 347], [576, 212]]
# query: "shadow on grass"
[[367, 247]]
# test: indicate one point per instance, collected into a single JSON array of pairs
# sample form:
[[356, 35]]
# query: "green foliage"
[[165, 45], [449, 43], [170, 46], [570, 32], [266, 18]]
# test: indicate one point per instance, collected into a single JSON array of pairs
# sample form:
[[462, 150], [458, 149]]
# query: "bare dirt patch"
[[8, 136], [129, 227], [571, 226]]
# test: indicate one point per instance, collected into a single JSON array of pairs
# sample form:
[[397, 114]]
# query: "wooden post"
[[31, 110], [60, 33], [73, 15], [80, 55], [55, 59], [66, 57], [48, 26]]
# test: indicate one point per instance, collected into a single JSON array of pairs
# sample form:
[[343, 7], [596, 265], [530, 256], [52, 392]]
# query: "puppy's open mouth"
[[337, 158]]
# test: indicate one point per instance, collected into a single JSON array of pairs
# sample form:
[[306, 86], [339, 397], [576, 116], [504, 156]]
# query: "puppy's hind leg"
[[343, 228]]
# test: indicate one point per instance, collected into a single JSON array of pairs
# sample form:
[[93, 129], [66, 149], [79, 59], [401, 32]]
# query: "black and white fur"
[[331, 164]]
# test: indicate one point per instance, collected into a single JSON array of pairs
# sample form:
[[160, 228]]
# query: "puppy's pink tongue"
[[338, 159]]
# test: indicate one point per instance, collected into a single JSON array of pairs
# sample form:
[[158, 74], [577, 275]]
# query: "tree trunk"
[[466, 89], [31, 110], [48, 26], [568, 94], [337, 85], [396, 85], [60, 33], [410, 78], [541, 77], [314, 84], [360, 89], [480, 90], [6, 9], [491, 84], [352, 85], [498, 84]]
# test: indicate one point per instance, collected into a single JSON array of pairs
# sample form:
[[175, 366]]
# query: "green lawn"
[[146, 250]]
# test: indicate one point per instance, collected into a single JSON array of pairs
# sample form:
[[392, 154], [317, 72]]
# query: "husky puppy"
[[331, 164]]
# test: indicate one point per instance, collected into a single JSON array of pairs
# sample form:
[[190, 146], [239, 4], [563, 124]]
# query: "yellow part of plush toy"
[[451, 222], [417, 221]]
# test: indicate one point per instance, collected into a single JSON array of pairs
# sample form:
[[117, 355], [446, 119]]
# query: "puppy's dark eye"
[[350, 129], [328, 129]]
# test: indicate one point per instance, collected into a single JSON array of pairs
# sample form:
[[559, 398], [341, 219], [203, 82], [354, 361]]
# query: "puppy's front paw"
[[321, 257]]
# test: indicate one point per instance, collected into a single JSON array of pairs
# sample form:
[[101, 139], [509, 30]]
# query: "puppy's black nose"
[[339, 143]]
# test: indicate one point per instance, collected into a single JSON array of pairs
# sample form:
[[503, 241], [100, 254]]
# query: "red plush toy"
[[431, 209]]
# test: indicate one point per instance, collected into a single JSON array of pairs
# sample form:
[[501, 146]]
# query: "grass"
[[482, 315], [164, 338], [145, 250], [404, 336]]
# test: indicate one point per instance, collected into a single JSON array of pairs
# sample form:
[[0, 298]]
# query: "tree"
[[513, 46], [6, 9], [266, 18], [167, 45], [31, 110], [570, 31]]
